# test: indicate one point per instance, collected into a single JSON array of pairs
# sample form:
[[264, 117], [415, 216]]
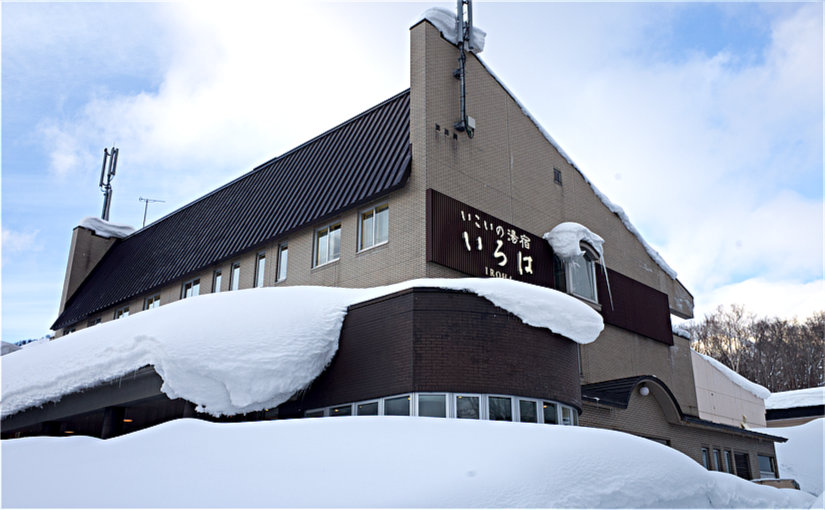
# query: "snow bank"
[[796, 398], [679, 331], [104, 228], [445, 21], [802, 457], [268, 343], [565, 239], [370, 461], [758, 390]]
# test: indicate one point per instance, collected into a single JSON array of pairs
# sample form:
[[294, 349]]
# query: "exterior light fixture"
[[127, 420], [644, 391], [69, 432]]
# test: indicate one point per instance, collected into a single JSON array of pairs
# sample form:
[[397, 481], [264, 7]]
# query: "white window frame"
[[192, 285], [283, 262], [260, 272], [328, 229], [482, 405], [364, 402], [122, 312], [589, 268], [447, 399], [513, 412], [150, 301], [374, 210], [216, 285], [234, 279]]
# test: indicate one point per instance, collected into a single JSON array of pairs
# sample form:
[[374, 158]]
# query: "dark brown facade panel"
[[634, 306], [436, 340]]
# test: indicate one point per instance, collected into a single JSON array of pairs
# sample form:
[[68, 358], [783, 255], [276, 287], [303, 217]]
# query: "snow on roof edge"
[[796, 398], [757, 390], [280, 340], [445, 21], [611, 206], [104, 228]]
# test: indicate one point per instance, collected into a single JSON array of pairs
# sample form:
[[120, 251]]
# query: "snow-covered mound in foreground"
[[237, 352], [803, 456], [796, 398], [380, 461], [105, 228]]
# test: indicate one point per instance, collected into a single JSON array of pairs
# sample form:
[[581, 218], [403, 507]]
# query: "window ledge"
[[374, 246], [594, 305], [326, 264]]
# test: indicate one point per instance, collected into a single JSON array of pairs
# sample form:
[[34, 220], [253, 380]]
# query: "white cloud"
[[16, 242]]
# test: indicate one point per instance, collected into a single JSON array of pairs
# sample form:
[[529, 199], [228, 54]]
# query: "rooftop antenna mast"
[[108, 175], [146, 207], [464, 32]]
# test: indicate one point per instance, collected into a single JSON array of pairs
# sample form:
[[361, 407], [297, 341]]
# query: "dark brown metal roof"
[[353, 163]]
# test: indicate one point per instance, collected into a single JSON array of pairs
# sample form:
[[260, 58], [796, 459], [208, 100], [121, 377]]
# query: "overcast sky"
[[703, 120]]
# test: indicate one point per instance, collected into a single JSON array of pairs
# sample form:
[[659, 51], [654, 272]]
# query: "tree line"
[[779, 354]]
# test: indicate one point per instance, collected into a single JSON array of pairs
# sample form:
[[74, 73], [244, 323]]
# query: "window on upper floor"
[[216, 280], [577, 276], [283, 259], [234, 276], [122, 312], [373, 227], [260, 269], [767, 466], [191, 288], [327, 244], [151, 302]]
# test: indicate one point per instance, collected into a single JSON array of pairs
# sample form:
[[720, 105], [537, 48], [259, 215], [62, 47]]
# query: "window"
[[527, 411], [260, 269], [551, 415], [315, 413], [341, 411], [728, 462], [717, 459], [122, 312], [327, 245], [234, 276], [373, 227], [283, 258], [705, 458], [432, 405], [151, 302], [581, 277], [216, 281], [397, 406], [500, 408], [466, 407], [742, 462], [557, 176], [191, 288], [568, 417], [767, 466], [93, 322], [67, 331], [367, 409]]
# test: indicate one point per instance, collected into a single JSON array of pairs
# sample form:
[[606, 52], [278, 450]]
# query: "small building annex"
[[394, 194]]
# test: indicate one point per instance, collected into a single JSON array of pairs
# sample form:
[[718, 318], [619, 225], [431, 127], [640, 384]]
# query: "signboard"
[[471, 241]]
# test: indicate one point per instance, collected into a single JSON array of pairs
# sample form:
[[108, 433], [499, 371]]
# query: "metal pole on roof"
[[464, 29], [146, 206]]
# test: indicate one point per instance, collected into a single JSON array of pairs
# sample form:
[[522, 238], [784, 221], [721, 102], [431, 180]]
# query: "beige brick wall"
[[644, 417]]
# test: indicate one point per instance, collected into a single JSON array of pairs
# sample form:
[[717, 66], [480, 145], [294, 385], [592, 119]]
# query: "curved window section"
[[460, 406]]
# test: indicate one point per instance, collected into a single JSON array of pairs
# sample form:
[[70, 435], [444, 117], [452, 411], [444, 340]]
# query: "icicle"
[[606, 279]]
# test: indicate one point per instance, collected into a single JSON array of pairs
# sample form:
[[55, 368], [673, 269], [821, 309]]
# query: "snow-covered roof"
[[681, 332], [758, 390], [444, 21], [277, 341], [565, 239], [796, 398], [105, 228]]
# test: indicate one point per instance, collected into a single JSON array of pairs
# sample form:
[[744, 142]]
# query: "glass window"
[[341, 411], [93, 322], [766, 467], [283, 257], [151, 302], [327, 244], [235, 276], [728, 462], [397, 406], [374, 227], [527, 411], [705, 458], [432, 405], [367, 409], [467, 407], [566, 416], [191, 288], [216, 281], [122, 312], [260, 269], [317, 413], [717, 459], [500, 408], [551, 415], [581, 277]]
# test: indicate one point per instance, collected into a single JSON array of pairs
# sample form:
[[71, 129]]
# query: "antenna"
[[106, 188], [464, 32], [146, 207]]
